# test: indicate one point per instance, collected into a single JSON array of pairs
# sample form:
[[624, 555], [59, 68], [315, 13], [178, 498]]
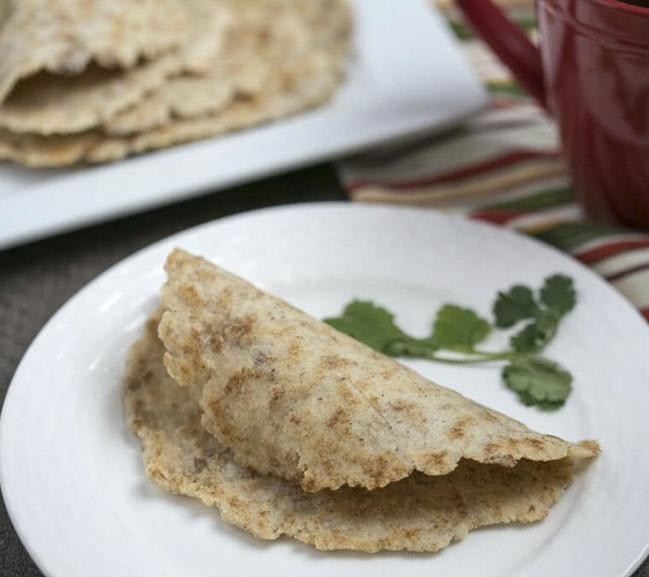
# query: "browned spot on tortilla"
[[512, 444], [404, 406], [435, 461], [400, 405], [346, 396], [238, 329], [335, 362], [287, 331], [459, 429], [491, 448], [387, 374], [411, 533], [228, 428], [308, 482], [276, 393], [535, 443], [338, 416], [294, 349], [214, 406], [378, 469], [238, 378], [295, 420], [189, 294], [215, 343]]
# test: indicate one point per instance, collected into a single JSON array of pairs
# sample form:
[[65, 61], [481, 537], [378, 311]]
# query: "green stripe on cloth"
[[509, 88], [463, 32], [569, 235], [537, 201]]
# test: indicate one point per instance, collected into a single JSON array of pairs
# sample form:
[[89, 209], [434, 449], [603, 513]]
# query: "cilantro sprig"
[[534, 316]]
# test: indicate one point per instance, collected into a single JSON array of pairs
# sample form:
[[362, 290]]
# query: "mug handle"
[[509, 43]]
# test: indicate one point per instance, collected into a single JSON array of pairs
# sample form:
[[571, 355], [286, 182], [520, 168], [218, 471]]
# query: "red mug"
[[592, 74]]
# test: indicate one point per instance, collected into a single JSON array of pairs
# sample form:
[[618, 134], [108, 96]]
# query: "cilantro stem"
[[457, 330], [487, 355], [476, 357]]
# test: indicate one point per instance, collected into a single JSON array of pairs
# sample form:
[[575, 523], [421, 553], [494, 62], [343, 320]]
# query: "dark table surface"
[[36, 279]]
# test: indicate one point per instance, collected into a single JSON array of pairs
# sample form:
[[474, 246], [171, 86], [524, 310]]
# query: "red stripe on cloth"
[[504, 103], [627, 272], [645, 313], [603, 251], [460, 173], [496, 216]]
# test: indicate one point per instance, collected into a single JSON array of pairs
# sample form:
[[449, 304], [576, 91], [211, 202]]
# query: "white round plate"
[[71, 473]]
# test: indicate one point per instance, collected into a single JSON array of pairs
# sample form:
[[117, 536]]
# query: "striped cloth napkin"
[[503, 166]]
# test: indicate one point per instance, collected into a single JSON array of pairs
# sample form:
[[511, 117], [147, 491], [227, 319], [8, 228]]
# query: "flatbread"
[[51, 104], [48, 103], [36, 150], [314, 85], [64, 37], [418, 513], [305, 81], [313, 82], [294, 398], [266, 40]]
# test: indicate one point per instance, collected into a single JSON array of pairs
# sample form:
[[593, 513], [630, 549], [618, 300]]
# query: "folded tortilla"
[[419, 513], [87, 61], [293, 398]]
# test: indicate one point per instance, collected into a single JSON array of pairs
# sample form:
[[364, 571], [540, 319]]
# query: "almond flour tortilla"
[[36, 150], [419, 513], [268, 372], [48, 103], [51, 104], [308, 83], [63, 37], [95, 147], [259, 91], [267, 39], [311, 83]]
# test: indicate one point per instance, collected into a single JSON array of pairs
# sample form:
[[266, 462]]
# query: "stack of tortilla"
[[288, 427], [95, 81]]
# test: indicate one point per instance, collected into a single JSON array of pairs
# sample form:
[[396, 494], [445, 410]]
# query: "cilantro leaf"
[[558, 294], [514, 305], [413, 348], [368, 323], [458, 328], [536, 334], [538, 381]]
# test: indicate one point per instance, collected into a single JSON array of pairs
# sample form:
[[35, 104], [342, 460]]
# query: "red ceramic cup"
[[592, 74]]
